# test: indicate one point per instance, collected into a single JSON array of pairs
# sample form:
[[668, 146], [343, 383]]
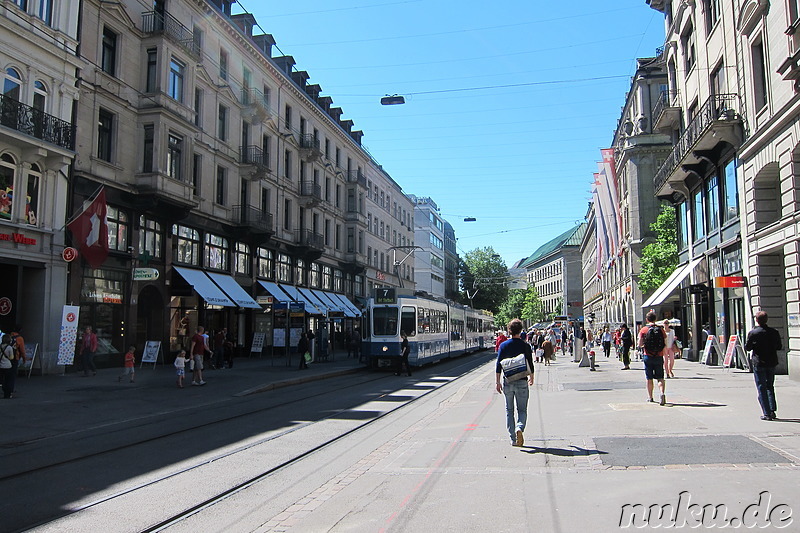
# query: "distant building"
[[451, 260], [429, 235], [555, 270]]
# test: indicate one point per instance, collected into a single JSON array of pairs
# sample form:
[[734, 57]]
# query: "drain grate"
[[696, 450]]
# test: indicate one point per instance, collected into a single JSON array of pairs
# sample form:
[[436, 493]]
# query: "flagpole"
[[86, 203]]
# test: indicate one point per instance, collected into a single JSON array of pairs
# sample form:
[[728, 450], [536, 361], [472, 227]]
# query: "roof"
[[571, 237]]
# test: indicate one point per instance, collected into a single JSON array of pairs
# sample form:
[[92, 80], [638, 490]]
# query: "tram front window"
[[384, 321]]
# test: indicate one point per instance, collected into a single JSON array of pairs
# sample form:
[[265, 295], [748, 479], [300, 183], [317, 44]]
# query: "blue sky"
[[507, 105]]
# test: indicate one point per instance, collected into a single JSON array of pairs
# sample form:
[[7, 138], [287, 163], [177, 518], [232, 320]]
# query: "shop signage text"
[[17, 238], [730, 282], [145, 274]]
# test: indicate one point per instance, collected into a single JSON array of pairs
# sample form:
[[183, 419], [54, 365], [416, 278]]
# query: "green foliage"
[[521, 303], [484, 276], [660, 258]]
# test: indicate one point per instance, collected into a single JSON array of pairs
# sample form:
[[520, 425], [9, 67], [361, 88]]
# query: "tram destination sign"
[[385, 296]]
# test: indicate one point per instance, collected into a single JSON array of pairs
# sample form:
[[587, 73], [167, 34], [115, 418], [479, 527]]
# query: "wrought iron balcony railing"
[[252, 217], [311, 189], [36, 123], [156, 22], [718, 108], [306, 237], [253, 155], [666, 99], [356, 176]]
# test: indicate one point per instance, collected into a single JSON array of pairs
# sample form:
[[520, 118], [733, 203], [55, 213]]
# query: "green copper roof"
[[571, 237]]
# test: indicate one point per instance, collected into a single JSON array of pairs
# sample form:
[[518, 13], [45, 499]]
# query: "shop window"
[[242, 260], [314, 281], [32, 198], [300, 272], [151, 237], [284, 268], [187, 245], [7, 172], [265, 263], [216, 252], [327, 278], [117, 229], [338, 281]]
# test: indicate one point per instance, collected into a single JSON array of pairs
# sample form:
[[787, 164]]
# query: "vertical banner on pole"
[[69, 335]]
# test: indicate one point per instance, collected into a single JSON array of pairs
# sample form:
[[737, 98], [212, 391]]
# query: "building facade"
[[227, 174], [451, 264], [38, 51], [429, 236]]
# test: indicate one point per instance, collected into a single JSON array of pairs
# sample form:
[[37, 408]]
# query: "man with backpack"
[[652, 340]]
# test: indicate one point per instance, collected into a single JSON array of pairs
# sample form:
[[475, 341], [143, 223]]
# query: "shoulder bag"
[[515, 368]]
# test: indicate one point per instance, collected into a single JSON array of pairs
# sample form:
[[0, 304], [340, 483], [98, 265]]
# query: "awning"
[[347, 303], [203, 285], [233, 290], [311, 295], [275, 291], [674, 279], [330, 304], [298, 297]]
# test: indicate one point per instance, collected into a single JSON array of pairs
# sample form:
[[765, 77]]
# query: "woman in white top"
[[669, 350]]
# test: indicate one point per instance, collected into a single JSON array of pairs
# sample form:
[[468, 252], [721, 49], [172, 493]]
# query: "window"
[[287, 214], [219, 189], [689, 51], [174, 157], [718, 80], [216, 252], [222, 123], [39, 96], [266, 151], [12, 84], [284, 268], [265, 263], [338, 281], [151, 237], [32, 199], [384, 321], [176, 75], [327, 232], [147, 151], [23, 4], [152, 70], [300, 272], [242, 259], [698, 225], [437, 242], [287, 120], [287, 164], [265, 200], [712, 203], [338, 156], [759, 75], [105, 126], [327, 278], [711, 9], [198, 107], [731, 205], [314, 276], [117, 229], [338, 237], [108, 55], [46, 11], [187, 245], [197, 172], [223, 64]]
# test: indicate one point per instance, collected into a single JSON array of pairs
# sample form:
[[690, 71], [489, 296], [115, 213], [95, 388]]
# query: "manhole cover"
[[660, 451]]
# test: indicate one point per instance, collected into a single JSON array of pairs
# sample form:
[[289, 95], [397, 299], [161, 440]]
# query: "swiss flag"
[[90, 230]]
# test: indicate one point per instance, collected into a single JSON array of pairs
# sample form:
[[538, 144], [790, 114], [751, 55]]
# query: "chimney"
[[245, 21]]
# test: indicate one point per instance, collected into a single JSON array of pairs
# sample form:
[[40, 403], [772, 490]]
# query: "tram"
[[436, 328]]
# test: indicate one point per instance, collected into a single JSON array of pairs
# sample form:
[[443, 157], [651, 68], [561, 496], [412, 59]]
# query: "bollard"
[[591, 361]]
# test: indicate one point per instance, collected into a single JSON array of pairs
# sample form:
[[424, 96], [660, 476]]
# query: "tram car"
[[436, 328]]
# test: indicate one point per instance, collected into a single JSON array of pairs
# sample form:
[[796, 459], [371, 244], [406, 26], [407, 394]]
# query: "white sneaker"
[[202, 383]]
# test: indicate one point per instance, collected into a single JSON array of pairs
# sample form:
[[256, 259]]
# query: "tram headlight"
[[385, 348]]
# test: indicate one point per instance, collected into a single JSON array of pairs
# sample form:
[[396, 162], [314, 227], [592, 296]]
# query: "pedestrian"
[[564, 341], [764, 342], [6, 364], [548, 349], [501, 338], [129, 364], [669, 350], [220, 340], [404, 351], [180, 367], [88, 351], [652, 341], [515, 392], [197, 351], [355, 343], [18, 345], [606, 338], [626, 340], [302, 350]]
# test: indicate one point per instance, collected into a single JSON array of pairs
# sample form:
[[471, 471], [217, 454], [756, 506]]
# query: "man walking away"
[[764, 342], [652, 340]]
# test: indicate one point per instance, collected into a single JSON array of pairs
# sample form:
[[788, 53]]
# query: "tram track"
[[231, 454]]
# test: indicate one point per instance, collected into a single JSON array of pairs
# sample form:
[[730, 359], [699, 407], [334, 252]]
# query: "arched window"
[[39, 95], [12, 85]]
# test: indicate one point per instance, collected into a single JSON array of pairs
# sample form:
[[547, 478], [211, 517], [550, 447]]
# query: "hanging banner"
[[69, 335]]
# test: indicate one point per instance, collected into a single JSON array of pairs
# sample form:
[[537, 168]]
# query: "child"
[[180, 363], [130, 361]]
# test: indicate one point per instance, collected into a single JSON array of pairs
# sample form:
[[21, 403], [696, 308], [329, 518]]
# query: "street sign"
[[385, 296], [145, 274], [69, 254]]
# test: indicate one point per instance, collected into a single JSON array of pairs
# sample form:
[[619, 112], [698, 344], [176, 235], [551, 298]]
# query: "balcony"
[[154, 22], [254, 161], [717, 125], [308, 244], [158, 192], [356, 176], [36, 123], [250, 222], [353, 214], [310, 193], [254, 105], [309, 147], [667, 112]]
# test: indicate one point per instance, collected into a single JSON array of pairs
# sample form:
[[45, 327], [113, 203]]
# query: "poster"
[[279, 337], [258, 342], [729, 351], [69, 335], [151, 349]]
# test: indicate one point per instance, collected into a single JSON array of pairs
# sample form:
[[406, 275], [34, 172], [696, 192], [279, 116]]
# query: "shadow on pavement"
[[698, 404], [569, 452]]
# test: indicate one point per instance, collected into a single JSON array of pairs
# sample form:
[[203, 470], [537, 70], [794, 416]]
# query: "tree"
[[660, 258], [521, 303], [484, 279]]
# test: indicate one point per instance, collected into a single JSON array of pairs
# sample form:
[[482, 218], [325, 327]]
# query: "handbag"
[[307, 357], [515, 368]]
